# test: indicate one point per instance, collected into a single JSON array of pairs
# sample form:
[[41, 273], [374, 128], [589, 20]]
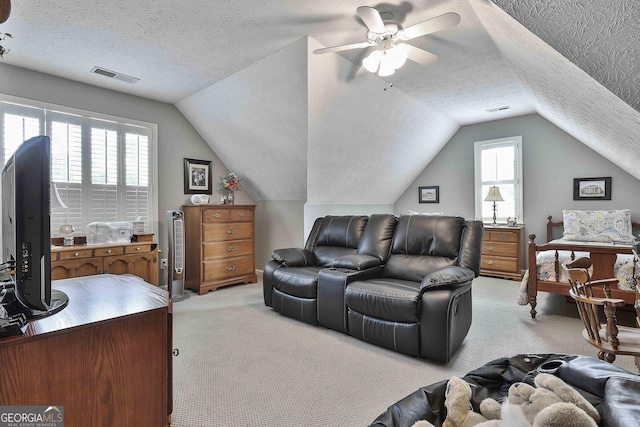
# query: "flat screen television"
[[26, 237]]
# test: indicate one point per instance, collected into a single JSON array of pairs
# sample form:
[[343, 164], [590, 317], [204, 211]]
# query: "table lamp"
[[494, 196]]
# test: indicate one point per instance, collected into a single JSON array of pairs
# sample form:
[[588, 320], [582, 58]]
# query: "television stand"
[[105, 358]]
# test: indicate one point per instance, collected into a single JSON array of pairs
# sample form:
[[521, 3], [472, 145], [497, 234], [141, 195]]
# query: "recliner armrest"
[[293, 257], [448, 276], [356, 262]]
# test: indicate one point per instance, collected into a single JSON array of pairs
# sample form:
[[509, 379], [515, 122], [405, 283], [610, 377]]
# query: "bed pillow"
[[597, 226]]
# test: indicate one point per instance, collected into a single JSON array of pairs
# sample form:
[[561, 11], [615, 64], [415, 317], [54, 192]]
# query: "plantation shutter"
[[137, 166], [104, 173], [101, 170], [19, 124], [66, 171]]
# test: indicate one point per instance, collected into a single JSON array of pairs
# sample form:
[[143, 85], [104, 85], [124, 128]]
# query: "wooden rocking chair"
[[636, 253], [609, 338]]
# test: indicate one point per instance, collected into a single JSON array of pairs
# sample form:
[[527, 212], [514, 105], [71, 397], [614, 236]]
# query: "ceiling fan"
[[391, 52]]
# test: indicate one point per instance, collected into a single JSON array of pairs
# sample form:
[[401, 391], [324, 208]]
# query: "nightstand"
[[502, 252]]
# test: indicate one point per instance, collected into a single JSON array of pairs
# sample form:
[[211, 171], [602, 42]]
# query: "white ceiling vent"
[[493, 110], [114, 75]]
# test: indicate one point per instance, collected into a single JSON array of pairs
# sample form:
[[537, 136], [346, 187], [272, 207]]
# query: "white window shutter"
[[101, 167]]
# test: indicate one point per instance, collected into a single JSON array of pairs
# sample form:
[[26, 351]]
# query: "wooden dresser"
[[140, 259], [502, 252], [105, 358], [219, 246]]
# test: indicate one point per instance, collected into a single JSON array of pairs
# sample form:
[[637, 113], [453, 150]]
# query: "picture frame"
[[197, 176], [429, 194], [592, 188]]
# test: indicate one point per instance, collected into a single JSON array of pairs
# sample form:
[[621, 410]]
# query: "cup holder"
[[550, 367]]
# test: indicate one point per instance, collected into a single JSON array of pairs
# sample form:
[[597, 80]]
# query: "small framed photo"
[[592, 188], [429, 194], [197, 176]]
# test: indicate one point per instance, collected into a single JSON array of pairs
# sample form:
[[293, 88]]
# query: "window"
[[498, 163], [102, 167]]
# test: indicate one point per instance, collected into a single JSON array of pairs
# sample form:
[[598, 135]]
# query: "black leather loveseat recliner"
[[399, 282], [614, 392], [290, 281]]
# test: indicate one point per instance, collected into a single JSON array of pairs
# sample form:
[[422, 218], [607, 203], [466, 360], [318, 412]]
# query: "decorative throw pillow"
[[598, 226]]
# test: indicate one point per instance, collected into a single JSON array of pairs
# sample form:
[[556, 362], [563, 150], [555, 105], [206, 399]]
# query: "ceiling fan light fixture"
[[396, 55], [386, 68], [372, 61], [386, 61]]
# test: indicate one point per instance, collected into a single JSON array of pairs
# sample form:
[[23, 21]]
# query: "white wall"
[[256, 121], [551, 160], [279, 224]]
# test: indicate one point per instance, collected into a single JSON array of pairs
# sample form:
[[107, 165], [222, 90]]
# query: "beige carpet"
[[243, 364]]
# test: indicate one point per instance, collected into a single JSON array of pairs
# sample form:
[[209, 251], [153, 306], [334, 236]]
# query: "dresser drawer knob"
[[504, 236], [241, 215], [230, 231], [231, 268], [109, 251], [230, 249], [491, 248], [216, 215], [76, 254], [138, 248], [490, 262]]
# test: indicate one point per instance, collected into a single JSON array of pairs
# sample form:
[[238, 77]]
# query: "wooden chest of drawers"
[[140, 259], [219, 246], [502, 252]]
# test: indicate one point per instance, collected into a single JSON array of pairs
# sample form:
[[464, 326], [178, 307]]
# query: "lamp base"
[[495, 210]]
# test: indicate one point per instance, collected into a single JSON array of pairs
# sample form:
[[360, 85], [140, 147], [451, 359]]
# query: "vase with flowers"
[[230, 184]]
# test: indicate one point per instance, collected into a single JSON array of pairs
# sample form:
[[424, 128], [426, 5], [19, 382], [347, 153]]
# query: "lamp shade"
[[494, 195]]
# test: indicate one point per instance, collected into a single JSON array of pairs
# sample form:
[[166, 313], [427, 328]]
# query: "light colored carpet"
[[243, 364]]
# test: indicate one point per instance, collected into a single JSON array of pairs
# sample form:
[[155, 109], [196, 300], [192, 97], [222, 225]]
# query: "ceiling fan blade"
[[5, 10], [429, 26], [343, 47], [371, 18], [420, 56]]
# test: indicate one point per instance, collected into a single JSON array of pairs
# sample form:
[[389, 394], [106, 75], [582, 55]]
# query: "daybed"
[[611, 256], [614, 392], [402, 283]]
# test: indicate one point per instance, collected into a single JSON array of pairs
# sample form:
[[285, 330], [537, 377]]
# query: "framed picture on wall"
[[592, 188], [197, 176], [429, 194]]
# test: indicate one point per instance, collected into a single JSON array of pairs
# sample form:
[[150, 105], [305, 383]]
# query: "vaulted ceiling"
[[298, 126]]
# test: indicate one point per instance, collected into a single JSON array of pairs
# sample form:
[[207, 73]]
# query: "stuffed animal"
[[459, 410], [552, 403]]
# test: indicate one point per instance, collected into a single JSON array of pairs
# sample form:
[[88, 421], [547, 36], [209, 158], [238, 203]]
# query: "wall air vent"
[[493, 110], [115, 75]]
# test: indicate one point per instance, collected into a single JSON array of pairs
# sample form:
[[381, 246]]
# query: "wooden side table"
[[502, 252]]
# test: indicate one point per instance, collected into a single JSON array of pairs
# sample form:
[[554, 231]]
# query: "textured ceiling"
[[601, 37], [200, 54]]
